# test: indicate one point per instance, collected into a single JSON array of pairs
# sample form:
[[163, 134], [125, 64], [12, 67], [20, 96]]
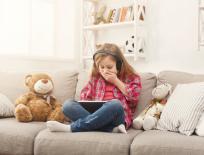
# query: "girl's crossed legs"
[[110, 117]]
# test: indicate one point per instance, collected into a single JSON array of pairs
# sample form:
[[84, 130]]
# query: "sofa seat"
[[86, 143], [18, 138], [157, 142]]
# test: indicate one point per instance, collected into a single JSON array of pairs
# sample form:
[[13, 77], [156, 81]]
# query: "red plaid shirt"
[[95, 90]]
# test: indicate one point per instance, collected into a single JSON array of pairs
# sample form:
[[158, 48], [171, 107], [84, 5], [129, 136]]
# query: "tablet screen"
[[92, 106]]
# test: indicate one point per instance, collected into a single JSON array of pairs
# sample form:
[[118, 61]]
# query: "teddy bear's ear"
[[27, 79]]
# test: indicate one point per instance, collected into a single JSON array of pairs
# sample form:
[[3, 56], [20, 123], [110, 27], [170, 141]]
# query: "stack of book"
[[122, 14]]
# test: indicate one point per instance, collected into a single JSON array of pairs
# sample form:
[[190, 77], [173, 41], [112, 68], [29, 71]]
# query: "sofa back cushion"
[[175, 77], [183, 108], [148, 83], [82, 80], [12, 83]]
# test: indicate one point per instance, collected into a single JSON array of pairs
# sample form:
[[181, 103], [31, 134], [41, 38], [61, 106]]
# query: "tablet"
[[91, 106]]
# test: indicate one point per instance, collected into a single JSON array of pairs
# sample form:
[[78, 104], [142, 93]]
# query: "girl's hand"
[[110, 76]]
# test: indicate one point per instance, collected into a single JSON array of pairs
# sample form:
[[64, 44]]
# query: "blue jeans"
[[110, 115]]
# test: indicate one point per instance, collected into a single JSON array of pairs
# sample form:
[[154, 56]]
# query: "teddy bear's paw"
[[137, 123], [23, 113], [56, 115], [149, 123]]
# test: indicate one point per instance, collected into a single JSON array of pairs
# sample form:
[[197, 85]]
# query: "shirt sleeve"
[[86, 92], [133, 87]]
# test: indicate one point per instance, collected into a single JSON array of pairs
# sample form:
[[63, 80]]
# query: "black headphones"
[[119, 62]]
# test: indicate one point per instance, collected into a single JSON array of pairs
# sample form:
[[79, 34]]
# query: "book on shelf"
[[110, 12], [111, 15], [129, 14], [116, 16], [123, 13], [132, 14]]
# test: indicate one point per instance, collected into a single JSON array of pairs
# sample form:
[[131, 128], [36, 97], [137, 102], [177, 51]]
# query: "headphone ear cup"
[[118, 65]]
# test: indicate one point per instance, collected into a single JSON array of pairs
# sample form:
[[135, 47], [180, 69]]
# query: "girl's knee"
[[116, 104], [68, 105]]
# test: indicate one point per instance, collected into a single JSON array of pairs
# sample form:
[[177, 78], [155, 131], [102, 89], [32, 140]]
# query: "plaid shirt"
[[95, 90]]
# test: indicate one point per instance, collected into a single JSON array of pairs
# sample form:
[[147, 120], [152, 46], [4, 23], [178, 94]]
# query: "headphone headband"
[[118, 60], [107, 53]]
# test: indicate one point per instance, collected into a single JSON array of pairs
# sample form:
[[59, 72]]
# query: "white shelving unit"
[[116, 32], [200, 24], [108, 26]]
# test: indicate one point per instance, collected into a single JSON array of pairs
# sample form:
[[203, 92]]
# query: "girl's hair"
[[107, 49]]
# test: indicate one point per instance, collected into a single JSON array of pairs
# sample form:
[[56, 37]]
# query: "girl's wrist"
[[121, 86], [118, 82]]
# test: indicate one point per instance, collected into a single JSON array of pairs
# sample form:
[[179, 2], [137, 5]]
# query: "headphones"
[[119, 62]]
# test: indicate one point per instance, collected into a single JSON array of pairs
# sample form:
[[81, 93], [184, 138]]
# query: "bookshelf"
[[108, 26], [120, 20]]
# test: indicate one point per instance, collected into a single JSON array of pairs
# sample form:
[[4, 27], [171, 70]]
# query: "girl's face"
[[107, 64]]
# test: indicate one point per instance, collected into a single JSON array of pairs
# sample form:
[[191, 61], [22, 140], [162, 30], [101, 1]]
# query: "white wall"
[[172, 32], [172, 27], [65, 35], [24, 64], [172, 39]]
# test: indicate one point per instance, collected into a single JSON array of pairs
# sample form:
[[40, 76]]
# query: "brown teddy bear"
[[38, 104]]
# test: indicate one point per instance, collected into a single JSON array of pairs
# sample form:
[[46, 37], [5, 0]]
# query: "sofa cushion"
[[64, 83], [82, 80], [6, 106], [175, 77], [86, 143], [200, 126], [156, 142], [18, 138], [148, 81], [181, 113]]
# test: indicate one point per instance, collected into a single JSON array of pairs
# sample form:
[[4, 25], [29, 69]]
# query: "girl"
[[113, 80]]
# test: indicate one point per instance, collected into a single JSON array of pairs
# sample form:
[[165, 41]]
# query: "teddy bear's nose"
[[44, 80]]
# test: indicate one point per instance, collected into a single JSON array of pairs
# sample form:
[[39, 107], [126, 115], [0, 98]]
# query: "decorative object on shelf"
[[141, 10], [99, 15], [129, 45], [141, 45]]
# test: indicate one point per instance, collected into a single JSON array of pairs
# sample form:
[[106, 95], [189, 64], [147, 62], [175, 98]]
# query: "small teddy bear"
[[147, 120], [38, 104]]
